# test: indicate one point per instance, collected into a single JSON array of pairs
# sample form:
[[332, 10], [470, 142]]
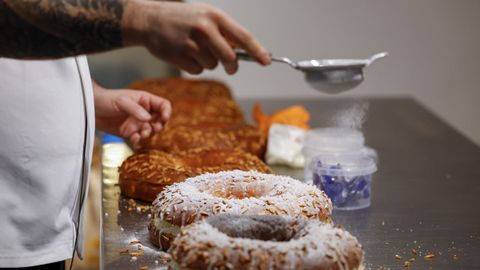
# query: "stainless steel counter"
[[425, 196]]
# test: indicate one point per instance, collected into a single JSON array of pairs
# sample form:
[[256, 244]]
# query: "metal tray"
[[425, 195]]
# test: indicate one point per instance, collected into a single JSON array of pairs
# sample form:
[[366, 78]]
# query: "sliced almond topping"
[[429, 256]]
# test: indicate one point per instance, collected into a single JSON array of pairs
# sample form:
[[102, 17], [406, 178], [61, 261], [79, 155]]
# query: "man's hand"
[[192, 36], [133, 115]]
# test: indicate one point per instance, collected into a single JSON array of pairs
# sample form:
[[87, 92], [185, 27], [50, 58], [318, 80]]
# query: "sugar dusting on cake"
[[314, 243], [194, 199]]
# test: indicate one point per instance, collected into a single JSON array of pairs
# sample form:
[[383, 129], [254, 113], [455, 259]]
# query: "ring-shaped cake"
[[265, 242], [233, 192]]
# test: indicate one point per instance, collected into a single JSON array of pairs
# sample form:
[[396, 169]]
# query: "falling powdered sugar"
[[353, 117]]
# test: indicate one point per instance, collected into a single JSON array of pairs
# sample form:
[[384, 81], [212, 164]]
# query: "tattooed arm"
[[59, 28], [191, 36]]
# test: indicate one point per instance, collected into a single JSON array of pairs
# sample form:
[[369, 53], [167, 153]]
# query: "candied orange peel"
[[295, 115]]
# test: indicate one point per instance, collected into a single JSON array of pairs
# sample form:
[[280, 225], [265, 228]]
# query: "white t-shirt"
[[42, 125]]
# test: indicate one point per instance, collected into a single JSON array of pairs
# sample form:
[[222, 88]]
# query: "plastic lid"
[[339, 151], [109, 138], [333, 140]]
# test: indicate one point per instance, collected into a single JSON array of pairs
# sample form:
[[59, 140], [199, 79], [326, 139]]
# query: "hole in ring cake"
[[233, 192], [265, 242]]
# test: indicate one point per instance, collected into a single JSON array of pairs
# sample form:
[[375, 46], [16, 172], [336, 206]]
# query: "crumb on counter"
[[429, 257], [136, 254]]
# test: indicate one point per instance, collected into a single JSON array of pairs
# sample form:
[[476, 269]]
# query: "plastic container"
[[338, 162], [114, 152]]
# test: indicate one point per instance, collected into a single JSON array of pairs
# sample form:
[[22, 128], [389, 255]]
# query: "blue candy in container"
[[339, 163]]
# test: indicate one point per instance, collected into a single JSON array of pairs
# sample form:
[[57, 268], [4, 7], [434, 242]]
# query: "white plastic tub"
[[338, 162]]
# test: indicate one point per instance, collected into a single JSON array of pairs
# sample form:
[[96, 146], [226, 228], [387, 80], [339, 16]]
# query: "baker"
[[49, 109]]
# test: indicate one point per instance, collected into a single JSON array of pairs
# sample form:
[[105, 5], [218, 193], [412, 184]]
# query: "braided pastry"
[[178, 138], [143, 176], [176, 88], [214, 112]]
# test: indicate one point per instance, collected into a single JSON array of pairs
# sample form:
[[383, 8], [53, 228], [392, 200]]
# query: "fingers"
[[190, 65], [207, 60], [213, 40], [204, 55], [215, 44], [146, 131], [208, 55], [130, 127], [135, 140], [132, 108], [243, 39], [220, 35], [157, 126], [141, 114], [223, 52], [136, 131], [196, 37], [197, 49], [158, 106]]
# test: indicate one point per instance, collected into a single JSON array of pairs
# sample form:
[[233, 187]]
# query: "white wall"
[[434, 48]]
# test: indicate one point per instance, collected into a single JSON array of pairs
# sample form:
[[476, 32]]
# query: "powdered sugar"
[[352, 117], [215, 193], [314, 244]]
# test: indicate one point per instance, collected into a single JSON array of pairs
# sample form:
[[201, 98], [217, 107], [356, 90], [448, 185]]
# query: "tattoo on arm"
[[38, 29]]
